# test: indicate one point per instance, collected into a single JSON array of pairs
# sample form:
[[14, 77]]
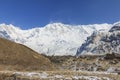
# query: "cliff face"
[[102, 42]]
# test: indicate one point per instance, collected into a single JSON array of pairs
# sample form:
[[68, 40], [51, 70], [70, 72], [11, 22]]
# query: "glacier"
[[54, 38]]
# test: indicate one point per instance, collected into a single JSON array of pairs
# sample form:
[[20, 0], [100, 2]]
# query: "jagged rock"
[[109, 56]]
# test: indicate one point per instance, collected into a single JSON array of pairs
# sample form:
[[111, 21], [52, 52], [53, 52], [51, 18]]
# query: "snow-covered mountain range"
[[102, 42], [54, 38]]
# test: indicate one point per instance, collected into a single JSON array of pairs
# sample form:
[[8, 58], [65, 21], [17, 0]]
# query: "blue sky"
[[34, 13]]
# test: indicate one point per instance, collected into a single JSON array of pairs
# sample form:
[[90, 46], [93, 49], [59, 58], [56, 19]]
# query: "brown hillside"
[[15, 56]]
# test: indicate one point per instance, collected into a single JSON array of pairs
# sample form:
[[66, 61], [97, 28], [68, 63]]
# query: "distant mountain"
[[102, 42], [54, 38], [15, 56]]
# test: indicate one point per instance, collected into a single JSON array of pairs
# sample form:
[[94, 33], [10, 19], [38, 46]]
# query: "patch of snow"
[[90, 78], [31, 74]]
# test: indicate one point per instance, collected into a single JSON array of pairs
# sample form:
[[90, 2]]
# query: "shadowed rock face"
[[116, 27], [15, 56], [102, 42]]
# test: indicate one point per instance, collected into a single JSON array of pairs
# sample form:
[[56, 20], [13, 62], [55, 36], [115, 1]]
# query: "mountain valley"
[[91, 52]]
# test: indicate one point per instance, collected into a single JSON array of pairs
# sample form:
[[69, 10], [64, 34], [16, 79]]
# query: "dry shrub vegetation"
[[65, 62]]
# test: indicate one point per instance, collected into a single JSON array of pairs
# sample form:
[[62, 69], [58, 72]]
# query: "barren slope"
[[15, 56]]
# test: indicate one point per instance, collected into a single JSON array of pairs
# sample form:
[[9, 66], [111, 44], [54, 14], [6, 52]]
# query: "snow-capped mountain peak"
[[54, 38]]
